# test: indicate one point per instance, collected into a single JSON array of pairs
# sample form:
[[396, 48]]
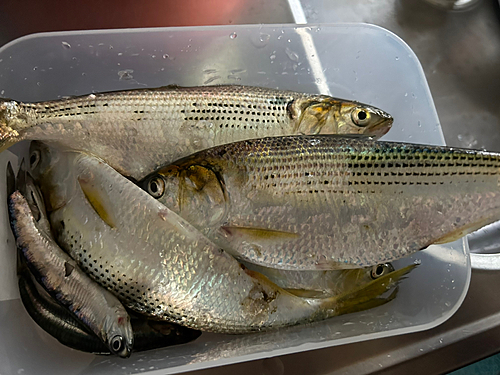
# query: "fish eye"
[[116, 344], [34, 159], [156, 187], [381, 270], [361, 117]]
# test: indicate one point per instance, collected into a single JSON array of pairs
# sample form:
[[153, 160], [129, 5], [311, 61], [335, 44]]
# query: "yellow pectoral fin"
[[96, 201], [307, 293], [254, 234], [365, 296]]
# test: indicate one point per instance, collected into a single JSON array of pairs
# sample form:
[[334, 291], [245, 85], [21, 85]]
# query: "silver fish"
[[330, 202], [61, 277], [63, 326], [159, 265], [136, 131]]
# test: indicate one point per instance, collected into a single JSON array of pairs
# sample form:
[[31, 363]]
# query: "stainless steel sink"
[[460, 54]]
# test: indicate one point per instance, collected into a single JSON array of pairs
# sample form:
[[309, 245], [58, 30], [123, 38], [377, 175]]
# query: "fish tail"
[[367, 295], [11, 124]]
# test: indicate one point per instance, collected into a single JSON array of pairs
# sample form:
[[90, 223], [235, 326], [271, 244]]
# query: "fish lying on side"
[[96, 308], [136, 131], [321, 284], [160, 265], [62, 325], [330, 202]]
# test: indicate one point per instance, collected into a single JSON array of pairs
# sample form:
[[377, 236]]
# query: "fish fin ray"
[[364, 294], [306, 293], [10, 178], [96, 202], [256, 234], [462, 231]]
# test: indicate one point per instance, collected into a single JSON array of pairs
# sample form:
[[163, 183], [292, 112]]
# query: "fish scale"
[[349, 203], [136, 131]]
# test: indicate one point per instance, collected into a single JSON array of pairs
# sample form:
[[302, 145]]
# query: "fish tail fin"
[[10, 126], [366, 296]]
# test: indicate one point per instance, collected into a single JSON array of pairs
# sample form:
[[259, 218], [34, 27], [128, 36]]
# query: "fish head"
[[327, 115], [120, 338], [194, 191]]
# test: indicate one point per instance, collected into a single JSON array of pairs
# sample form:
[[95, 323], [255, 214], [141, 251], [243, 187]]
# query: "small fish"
[[60, 276], [55, 319], [330, 202], [69, 331], [159, 265], [136, 131], [321, 284]]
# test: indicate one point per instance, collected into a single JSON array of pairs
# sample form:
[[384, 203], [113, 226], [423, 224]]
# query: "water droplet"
[[419, 124], [2, 92], [66, 45], [447, 304], [166, 56], [318, 80], [233, 35], [417, 261], [261, 40], [153, 56], [291, 54], [38, 84], [120, 53], [421, 349], [397, 58], [272, 57], [406, 94], [83, 74], [125, 75], [35, 67]]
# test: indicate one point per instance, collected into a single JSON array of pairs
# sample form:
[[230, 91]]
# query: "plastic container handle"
[[484, 246]]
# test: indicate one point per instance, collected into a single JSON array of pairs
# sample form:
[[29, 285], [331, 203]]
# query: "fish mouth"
[[382, 127]]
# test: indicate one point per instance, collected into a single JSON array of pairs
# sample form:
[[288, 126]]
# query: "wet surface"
[[460, 55]]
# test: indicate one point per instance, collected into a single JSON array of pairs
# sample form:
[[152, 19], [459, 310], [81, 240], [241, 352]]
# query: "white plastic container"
[[352, 61]]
